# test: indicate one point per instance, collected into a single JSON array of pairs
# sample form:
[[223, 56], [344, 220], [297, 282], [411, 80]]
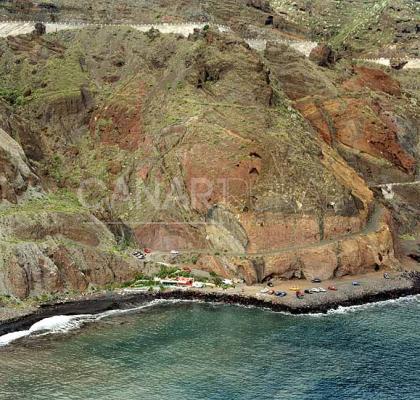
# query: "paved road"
[[371, 226]]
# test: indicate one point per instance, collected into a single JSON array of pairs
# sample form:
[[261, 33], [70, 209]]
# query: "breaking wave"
[[67, 323], [341, 310]]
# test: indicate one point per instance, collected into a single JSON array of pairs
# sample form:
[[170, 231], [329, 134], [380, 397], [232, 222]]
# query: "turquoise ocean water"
[[203, 351]]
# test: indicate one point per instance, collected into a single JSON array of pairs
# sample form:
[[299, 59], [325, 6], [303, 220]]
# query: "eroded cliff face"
[[376, 27], [15, 175], [124, 140], [48, 243]]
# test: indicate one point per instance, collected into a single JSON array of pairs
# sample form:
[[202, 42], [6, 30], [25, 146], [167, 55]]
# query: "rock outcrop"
[[240, 160], [374, 79], [16, 176], [30, 269], [323, 55], [47, 249], [262, 5]]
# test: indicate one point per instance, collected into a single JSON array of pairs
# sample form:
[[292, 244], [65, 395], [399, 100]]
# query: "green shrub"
[[11, 96], [172, 272], [217, 281], [166, 271], [56, 166], [194, 259]]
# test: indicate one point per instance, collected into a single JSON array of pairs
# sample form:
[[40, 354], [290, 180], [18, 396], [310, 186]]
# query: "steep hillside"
[[238, 14], [252, 165], [377, 28]]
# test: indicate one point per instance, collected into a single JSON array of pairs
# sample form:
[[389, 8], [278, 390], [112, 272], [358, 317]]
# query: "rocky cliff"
[[253, 165]]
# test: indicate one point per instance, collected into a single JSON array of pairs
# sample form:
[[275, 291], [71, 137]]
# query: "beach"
[[372, 288]]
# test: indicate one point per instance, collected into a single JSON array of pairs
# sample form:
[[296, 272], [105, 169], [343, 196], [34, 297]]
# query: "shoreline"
[[97, 303]]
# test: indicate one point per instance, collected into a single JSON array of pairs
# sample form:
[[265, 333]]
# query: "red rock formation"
[[355, 123], [121, 122], [374, 79], [322, 55], [166, 236]]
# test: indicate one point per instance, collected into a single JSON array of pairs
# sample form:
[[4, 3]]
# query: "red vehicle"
[[332, 288], [185, 281], [299, 294], [147, 251]]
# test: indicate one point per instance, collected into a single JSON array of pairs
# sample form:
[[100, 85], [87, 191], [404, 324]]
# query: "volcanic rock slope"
[[254, 165], [366, 27], [234, 13]]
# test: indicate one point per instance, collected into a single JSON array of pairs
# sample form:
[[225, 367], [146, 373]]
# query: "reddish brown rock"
[[313, 111], [356, 123], [228, 181], [212, 264], [349, 178], [285, 265], [355, 254], [322, 55], [319, 262], [336, 226], [269, 231], [169, 236], [121, 123], [365, 252], [374, 79]]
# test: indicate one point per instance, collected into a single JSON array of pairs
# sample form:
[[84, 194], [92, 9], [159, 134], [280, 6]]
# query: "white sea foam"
[[11, 337], [67, 323], [364, 307]]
